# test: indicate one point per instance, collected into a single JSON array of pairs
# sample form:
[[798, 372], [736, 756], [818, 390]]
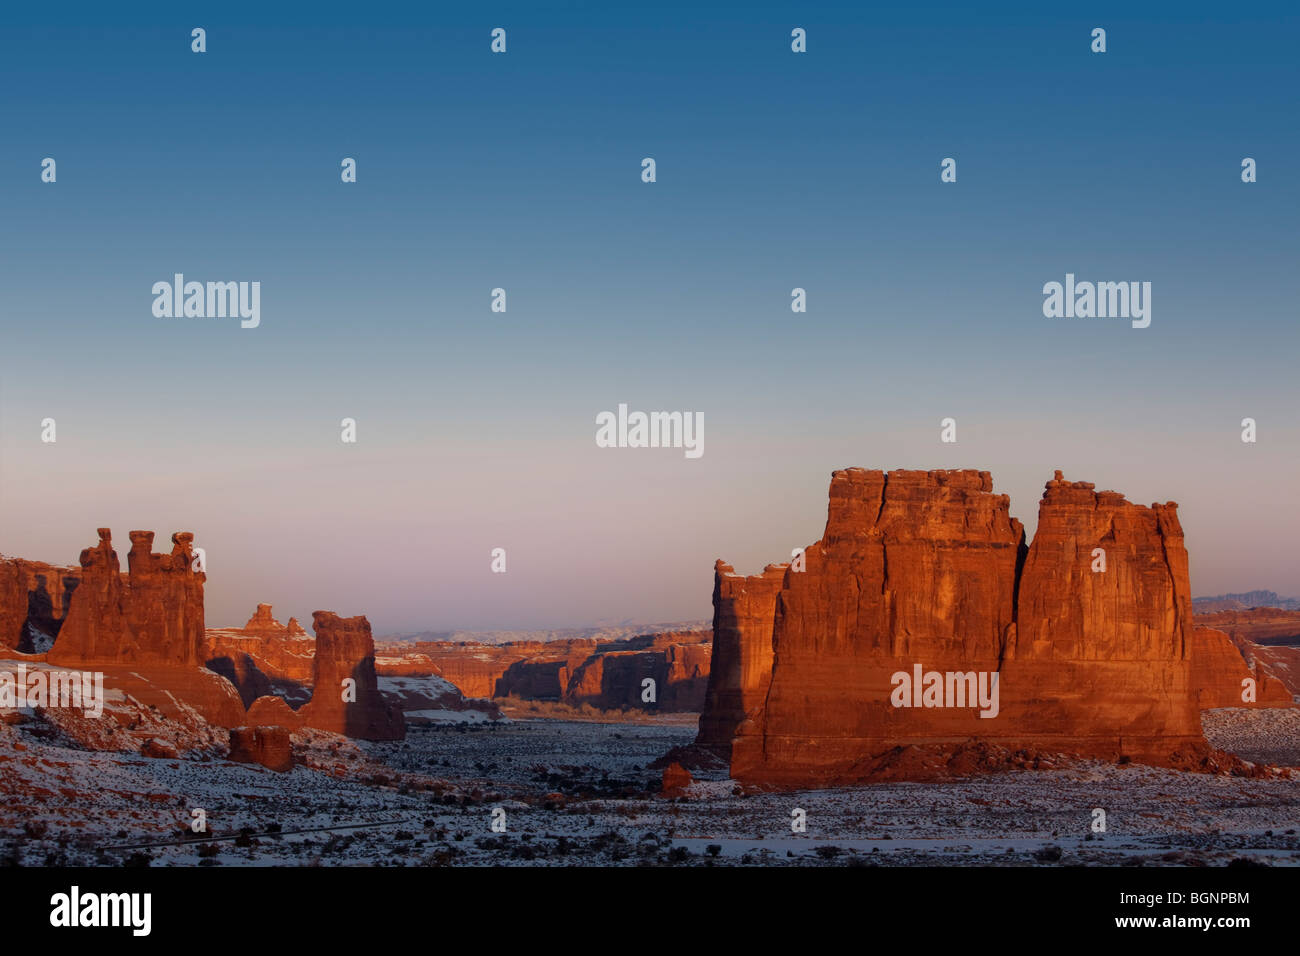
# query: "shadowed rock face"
[[1219, 668], [263, 657], [744, 609], [930, 569], [34, 601], [616, 675], [1269, 641]]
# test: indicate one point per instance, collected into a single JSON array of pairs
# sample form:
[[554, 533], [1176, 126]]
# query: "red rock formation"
[[390, 663], [605, 674], [686, 677], [263, 657], [263, 622], [744, 612], [929, 569], [545, 669], [1219, 670], [34, 600], [165, 610], [427, 698], [1267, 637], [485, 670], [273, 711], [1138, 608], [675, 780], [1100, 662], [345, 651], [615, 675], [268, 746], [144, 629], [1261, 625], [160, 749], [155, 616], [1282, 662], [96, 629]]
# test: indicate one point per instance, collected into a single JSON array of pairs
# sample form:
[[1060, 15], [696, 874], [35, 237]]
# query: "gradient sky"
[[522, 171]]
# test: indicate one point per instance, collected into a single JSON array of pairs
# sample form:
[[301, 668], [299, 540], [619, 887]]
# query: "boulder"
[[676, 779], [268, 746]]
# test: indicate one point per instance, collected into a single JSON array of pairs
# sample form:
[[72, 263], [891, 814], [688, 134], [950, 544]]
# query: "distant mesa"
[[600, 633], [607, 675], [1244, 601]]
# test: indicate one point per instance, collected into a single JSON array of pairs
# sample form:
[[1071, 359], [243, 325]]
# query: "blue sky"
[[522, 171]]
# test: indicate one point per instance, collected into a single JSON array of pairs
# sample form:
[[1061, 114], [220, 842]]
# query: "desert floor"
[[572, 792]]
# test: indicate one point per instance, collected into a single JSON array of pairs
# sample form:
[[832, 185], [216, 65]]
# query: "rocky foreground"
[[583, 793]]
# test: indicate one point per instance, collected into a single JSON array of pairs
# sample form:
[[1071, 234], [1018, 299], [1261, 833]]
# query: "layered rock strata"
[[921, 619], [144, 629]]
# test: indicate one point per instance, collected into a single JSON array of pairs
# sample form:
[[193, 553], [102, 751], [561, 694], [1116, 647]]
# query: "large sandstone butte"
[[928, 569], [144, 629]]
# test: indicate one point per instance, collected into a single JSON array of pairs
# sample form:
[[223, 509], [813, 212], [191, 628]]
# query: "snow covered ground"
[[581, 793]]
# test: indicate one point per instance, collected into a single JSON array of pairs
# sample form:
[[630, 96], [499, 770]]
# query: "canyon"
[[602, 674]]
